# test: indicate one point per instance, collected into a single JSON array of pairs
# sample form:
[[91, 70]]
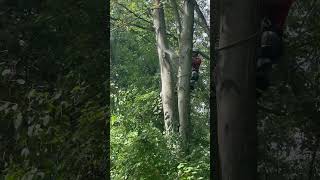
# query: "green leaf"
[[41, 174], [4, 106], [25, 152], [113, 119], [31, 93], [46, 120], [57, 95], [21, 81], [6, 72], [18, 120], [14, 107], [30, 130]]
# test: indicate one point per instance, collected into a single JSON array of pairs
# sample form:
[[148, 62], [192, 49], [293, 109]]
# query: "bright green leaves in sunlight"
[[139, 147]]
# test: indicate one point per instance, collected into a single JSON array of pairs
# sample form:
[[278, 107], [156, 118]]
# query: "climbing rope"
[[238, 42]]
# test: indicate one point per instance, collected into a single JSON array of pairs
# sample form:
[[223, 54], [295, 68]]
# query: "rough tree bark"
[[184, 72], [235, 90], [176, 15], [214, 37], [168, 94], [176, 104]]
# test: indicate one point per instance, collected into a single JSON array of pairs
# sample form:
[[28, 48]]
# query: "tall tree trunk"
[[214, 37], [184, 71], [168, 94], [235, 90]]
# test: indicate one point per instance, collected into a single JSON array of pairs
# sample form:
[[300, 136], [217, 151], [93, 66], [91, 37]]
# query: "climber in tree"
[[274, 14], [196, 62]]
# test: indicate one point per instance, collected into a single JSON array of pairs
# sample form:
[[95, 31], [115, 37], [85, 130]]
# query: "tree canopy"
[[139, 146], [53, 100]]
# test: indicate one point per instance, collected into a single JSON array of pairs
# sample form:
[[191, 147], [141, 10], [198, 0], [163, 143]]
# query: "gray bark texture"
[[166, 69], [184, 71], [176, 15], [176, 86], [235, 90]]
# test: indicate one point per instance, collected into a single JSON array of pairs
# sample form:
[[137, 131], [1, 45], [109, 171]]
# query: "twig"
[[133, 24], [202, 18], [135, 14], [270, 110], [8, 102], [204, 55]]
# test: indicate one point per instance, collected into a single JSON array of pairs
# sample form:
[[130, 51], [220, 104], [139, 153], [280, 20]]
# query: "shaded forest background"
[[289, 113], [53, 95]]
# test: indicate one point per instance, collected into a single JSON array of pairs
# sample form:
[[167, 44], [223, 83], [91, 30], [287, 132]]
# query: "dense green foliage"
[[52, 89], [139, 148]]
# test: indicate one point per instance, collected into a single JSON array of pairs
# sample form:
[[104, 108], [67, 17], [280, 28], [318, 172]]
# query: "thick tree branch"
[[204, 55], [196, 20], [203, 21], [135, 14], [166, 69], [148, 28]]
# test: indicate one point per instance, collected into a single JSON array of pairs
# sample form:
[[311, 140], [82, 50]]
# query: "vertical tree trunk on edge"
[[235, 90], [166, 69], [214, 37], [184, 72]]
